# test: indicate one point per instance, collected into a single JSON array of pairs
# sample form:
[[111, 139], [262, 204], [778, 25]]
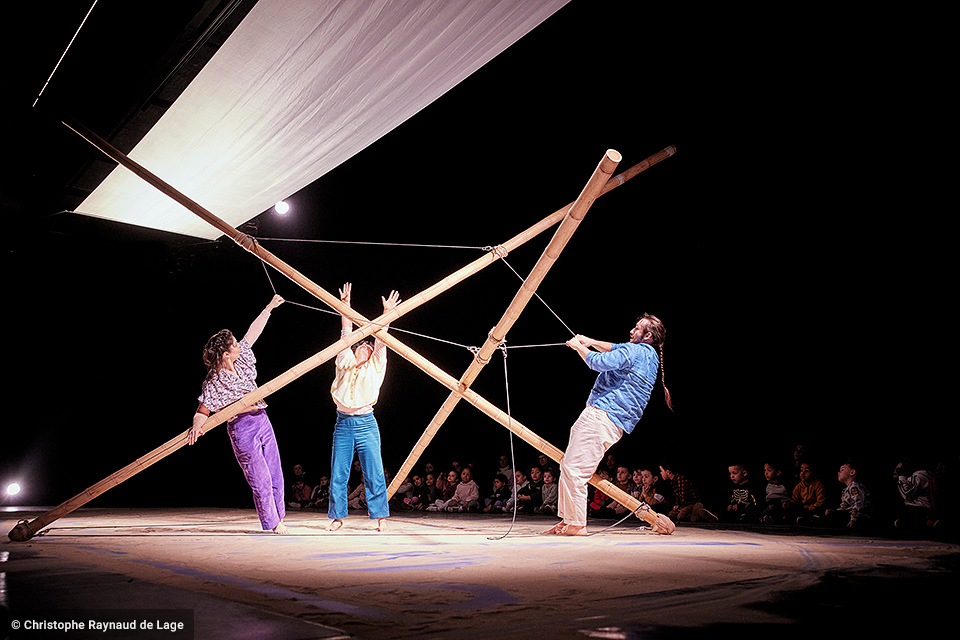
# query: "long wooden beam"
[[26, 530]]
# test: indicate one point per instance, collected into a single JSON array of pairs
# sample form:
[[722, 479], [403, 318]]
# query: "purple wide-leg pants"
[[255, 446]]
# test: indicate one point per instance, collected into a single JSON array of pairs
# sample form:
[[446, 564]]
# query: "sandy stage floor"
[[444, 576]]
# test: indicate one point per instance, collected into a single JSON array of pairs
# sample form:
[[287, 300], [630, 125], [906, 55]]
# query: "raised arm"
[[346, 324], [256, 328], [389, 303]]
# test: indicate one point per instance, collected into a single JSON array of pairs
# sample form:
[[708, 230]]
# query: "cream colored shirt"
[[355, 389]]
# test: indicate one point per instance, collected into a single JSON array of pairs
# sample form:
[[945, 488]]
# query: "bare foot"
[[336, 524], [281, 529], [573, 530], [555, 529], [381, 524]]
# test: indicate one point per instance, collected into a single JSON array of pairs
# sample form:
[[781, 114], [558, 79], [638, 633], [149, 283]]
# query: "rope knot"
[[245, 241], [500, 251]]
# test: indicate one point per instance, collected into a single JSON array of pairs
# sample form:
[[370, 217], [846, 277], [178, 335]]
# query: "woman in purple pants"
[[232, 374]]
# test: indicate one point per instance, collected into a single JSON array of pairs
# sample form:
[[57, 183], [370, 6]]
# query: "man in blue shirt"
[[627, 374]]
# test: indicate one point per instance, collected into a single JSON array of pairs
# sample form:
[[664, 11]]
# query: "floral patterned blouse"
[[226, 387]]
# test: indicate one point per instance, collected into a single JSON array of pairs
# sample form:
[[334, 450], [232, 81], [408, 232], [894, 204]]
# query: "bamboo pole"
[[26, 530], [576, 212]]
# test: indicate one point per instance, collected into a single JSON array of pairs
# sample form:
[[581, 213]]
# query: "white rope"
[[64, 55], [383, 244], [572, 333], [513, 461], [643, 507]]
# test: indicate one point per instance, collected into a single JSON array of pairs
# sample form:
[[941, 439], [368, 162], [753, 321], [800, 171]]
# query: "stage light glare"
[[281, 207], [13, 489]]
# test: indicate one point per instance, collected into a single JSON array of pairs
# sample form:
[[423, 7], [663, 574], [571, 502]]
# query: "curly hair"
[[213, 351]]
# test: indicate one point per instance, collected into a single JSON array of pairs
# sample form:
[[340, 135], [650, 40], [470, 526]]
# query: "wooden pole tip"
[[614, 155], [20, 533]]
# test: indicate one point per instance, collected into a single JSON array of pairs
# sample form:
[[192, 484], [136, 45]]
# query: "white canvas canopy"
[[298, 88]]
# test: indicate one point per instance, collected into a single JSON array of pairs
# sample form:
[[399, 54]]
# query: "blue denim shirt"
[[627, 375]]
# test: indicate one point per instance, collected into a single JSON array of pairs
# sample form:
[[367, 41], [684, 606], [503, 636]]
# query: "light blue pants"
[[360, 434]]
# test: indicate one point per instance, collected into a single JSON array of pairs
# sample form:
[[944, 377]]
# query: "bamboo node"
[[476, 355], [499, 341]]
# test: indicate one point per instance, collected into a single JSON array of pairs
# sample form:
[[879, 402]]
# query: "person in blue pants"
[[360, 371]]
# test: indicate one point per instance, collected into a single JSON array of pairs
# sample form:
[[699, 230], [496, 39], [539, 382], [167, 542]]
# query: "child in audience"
[[742, 506], [301, 494], [624, 482], [434, 487], [646, 490], [854, 509], [687, 505], [505, 469], [497, 500], [320, 496], [548, 494], [448, 487], [416, 497], [597, 507], [545, 463], [522, 487], [808, 498], [536, 488], [776, 496], [916, 488], [466, 497]]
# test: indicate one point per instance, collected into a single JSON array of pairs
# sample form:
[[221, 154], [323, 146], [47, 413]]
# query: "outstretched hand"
[[275, 302], [345, 293], [390, 303]]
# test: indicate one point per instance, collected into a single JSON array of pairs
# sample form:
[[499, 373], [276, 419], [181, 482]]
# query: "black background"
[[792, 247]]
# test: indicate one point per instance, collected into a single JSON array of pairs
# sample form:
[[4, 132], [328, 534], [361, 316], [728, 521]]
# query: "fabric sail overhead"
[[298, 88]]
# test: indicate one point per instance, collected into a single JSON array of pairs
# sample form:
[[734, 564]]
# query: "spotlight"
[[281, 207], [13, 489]]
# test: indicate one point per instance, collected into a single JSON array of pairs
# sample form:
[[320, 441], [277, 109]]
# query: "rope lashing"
[[500, 251]]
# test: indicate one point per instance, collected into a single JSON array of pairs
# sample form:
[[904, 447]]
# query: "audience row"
[[915, 498]]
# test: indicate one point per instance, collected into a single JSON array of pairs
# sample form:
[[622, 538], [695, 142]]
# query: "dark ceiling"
[[82, 61], [761, 243]]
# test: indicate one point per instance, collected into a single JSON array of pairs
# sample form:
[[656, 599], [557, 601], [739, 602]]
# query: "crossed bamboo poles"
[[569, 218]]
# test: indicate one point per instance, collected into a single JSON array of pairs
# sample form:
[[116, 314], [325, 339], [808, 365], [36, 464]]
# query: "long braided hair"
[[213, 351], [656, 333]]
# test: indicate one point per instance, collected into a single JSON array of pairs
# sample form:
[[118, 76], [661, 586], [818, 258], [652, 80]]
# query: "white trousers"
[[590, 437]]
